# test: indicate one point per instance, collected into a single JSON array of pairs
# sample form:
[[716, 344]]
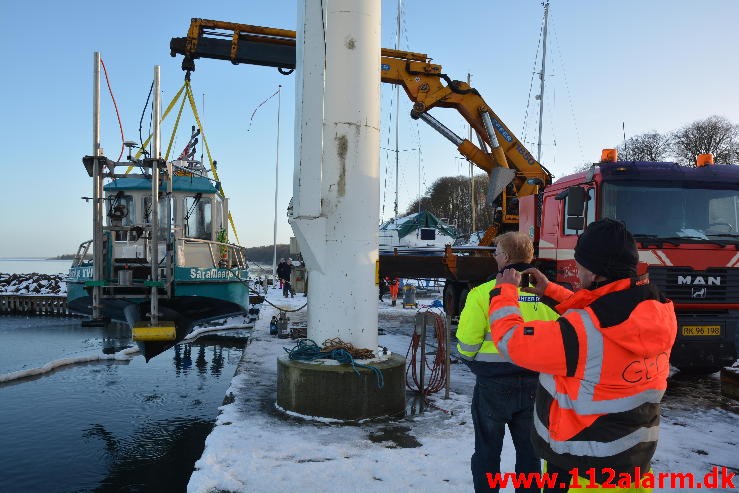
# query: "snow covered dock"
[[256, 448]]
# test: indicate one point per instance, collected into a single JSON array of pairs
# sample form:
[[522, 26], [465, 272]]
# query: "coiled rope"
[[436, 367], [308, 350]]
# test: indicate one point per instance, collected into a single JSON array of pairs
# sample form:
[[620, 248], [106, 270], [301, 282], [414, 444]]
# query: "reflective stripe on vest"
[[588, 406], [596, 449], [503, 312]]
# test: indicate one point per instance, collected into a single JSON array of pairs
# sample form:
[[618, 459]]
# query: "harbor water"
[[105, 426]]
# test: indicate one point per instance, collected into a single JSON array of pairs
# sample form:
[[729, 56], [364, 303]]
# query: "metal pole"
[[472, 173], [397, 116], [447, 324], [277, 167], [97, 195], [443, 130], [422, 383], [541, 78], [154, 235]]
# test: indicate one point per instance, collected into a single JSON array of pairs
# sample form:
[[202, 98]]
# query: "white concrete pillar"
[[337, 228]]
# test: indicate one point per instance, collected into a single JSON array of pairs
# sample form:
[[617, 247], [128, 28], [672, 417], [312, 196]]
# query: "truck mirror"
[[576, 198], [576, 222]]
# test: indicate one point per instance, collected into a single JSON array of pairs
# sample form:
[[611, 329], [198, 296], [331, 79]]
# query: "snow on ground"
[[256, 448]]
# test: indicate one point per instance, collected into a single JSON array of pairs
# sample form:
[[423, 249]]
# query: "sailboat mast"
[[97, 195], [472, 173], [397, 116], [541, 79], [277, 167]]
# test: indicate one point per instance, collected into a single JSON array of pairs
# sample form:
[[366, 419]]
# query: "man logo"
[[699, 280], [698, 293]]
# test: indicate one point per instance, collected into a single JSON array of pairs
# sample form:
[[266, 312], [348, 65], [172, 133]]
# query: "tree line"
[[714, 135]]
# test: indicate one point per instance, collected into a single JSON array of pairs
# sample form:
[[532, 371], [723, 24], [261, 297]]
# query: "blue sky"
[[651, 65]]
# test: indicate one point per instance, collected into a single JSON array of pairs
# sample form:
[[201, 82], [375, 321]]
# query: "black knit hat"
[[607, 248]]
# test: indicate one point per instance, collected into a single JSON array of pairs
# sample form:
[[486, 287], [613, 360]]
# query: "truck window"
[[589, 213], [669, 209], [198, 219]]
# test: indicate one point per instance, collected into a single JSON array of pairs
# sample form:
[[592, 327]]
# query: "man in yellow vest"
[[504, 393]]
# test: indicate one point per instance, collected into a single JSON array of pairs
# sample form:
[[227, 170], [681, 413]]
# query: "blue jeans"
[[497, 402]]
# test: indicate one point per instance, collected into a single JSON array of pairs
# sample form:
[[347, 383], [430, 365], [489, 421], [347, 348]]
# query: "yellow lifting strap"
[[210, 158], [188, 92]]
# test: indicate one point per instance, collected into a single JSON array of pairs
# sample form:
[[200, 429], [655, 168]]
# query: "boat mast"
[[397, 116], [472, 173], [97, 195], [541, 79], [277, 166], [154, 234]]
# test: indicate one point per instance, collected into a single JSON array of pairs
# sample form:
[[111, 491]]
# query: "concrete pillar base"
[[336, 391]]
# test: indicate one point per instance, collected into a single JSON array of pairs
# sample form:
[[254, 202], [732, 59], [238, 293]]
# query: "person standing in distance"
[[603, 364], [504, 393]]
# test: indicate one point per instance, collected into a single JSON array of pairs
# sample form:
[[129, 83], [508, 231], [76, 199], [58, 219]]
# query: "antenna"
[[623, 128]]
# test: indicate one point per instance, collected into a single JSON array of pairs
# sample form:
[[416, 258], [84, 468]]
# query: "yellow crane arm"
[[424, 83]]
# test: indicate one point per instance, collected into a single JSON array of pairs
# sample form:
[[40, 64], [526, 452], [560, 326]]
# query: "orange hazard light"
[[609, 156], [703, 160]]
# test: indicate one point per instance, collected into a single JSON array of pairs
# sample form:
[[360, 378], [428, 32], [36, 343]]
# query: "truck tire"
[[463, 298], [451, 299]]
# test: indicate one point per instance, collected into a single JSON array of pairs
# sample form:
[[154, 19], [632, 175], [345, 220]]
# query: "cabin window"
[[120, 213], [428, 234], [162, 211], [198, 217], [589, 213]]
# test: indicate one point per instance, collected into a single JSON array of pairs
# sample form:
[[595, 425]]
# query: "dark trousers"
[[287, 289], [497, 402]]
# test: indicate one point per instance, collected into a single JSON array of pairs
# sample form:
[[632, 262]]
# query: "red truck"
[[684, 220]]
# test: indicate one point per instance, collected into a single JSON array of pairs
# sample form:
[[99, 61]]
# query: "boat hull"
[[199, 295]]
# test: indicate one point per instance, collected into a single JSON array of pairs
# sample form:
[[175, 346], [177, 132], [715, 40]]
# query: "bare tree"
[[651, 146], [715, 135], [449, 198]]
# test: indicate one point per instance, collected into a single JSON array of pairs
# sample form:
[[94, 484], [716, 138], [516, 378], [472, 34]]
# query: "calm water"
[[125, 426], [28, 266]]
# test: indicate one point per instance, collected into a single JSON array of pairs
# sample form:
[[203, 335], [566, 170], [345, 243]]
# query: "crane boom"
[[424, 83]]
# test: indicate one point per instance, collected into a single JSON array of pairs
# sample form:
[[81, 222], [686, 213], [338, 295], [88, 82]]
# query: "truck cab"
[[684, 220]]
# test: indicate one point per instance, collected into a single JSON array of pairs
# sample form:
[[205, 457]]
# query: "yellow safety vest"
[[475, 343]]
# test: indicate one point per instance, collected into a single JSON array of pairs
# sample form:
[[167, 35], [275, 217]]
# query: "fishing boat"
[[161, 259]]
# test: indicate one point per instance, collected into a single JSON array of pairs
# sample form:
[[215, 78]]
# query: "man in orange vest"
[[603, 364]]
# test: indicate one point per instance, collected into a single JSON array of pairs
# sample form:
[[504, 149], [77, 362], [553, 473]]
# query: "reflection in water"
[[182, 358], [200, 362], [158, 457], [105, 426]]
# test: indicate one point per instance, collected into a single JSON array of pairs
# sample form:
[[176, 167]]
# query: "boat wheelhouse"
[[200, 275]]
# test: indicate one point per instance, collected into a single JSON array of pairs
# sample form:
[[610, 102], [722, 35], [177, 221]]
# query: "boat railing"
[[81, 256], [194, 252]]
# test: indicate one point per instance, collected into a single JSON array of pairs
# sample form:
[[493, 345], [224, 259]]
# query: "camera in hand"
[[526, 280]]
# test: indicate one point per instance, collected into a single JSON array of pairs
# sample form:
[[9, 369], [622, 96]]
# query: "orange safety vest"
[[603, 370]]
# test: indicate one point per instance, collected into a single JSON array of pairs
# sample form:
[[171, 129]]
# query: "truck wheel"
[[451, 299], [463, 298]]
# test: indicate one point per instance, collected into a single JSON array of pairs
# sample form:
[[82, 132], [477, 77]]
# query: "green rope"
[[308, 350]]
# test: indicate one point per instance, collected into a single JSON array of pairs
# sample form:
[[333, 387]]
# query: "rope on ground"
[[336, 349]]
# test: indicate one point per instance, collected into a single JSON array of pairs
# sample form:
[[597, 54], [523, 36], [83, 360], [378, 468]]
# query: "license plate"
[[701, 330]]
